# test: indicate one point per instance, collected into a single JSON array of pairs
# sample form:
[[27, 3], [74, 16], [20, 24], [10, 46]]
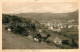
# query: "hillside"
[[17, 29], [13, 41], [43, 17]]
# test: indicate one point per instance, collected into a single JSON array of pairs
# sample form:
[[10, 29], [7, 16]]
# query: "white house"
[[36, 39], [70, 26], [9, 29], [30, 37], [58, 41], [58, 30], [40, 30], [50, 28]]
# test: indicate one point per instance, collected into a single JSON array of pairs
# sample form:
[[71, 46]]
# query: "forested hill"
[[50, 16]]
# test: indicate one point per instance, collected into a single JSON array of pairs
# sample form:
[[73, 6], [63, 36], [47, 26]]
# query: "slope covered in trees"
[[48, 16]]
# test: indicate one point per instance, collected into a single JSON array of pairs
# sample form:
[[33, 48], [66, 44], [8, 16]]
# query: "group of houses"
[[59, 26]]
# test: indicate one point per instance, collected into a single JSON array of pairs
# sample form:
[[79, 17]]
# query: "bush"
[[26, 34], [5, 19], [74, 44], [17, 24]]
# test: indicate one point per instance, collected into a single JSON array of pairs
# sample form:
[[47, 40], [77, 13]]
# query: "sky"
[[40, 7]]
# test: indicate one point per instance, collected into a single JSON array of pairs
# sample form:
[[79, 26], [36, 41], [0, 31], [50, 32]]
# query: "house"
[[61, 26], [58, 41], [70, 26], [30, 36], [48, 24], [36, 39], [57, 30], [9, 29], [50, 28], [40, 30]]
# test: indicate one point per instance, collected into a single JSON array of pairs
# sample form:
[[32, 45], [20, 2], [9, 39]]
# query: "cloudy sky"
[[41, 7]]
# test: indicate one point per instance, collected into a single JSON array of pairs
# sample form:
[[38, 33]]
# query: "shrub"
[[26, 33], [17, 24], [5, 19]]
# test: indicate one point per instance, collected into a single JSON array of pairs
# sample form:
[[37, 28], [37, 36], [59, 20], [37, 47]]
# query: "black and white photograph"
[[40, 25]]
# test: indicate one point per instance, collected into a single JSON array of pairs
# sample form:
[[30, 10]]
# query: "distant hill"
[[47, 16]]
